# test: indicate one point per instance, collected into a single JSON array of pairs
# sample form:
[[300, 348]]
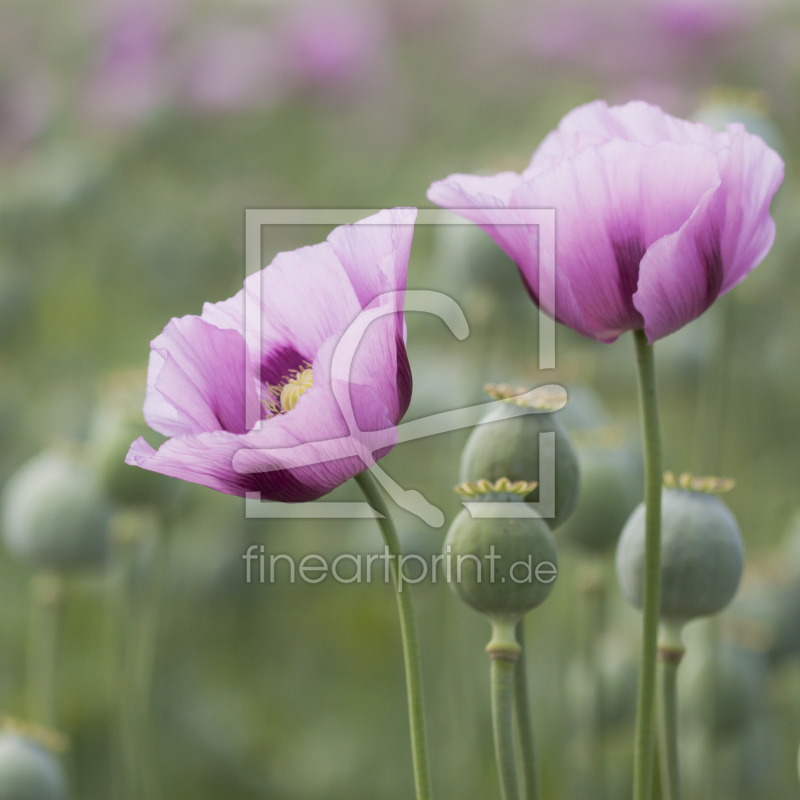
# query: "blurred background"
[[133, 135]]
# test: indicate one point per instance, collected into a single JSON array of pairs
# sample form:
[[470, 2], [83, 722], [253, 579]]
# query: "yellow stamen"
[[296, 387]]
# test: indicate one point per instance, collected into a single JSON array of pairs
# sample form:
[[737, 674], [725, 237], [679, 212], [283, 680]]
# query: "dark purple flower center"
[[629, 253], [286, 375]]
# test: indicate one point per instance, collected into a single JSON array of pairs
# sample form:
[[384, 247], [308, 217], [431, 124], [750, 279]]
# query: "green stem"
[[411, 653], [530, 763], [648, 406], [670, 653], [46, 591], [592, 596], [668, 729], [127, 712], [502, 678], [146, 659]]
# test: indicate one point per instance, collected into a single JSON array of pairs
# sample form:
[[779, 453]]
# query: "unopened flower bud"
[[507, 445], [702, 555], [502, 567], [29, 770], [611, 487], [55, 515]]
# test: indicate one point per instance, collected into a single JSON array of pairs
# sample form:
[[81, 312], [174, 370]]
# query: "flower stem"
[[670, 653], [411, 653], [648, 406], [530, 762], [124, 621], [146, 659], [46, 596], [504, 651], [591, 767]]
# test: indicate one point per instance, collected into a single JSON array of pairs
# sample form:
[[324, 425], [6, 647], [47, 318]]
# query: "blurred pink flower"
[[328, 42], [232, 68], [202, 382], [131, 78], [26, 106], [700, 19], [656, 217], [632, 39]]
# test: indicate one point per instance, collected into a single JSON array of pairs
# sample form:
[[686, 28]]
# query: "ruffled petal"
[[752, 173], [726, 237], [267, 460], [295, 311], [472, 193], [375, 253], [612, 202], [596, 123], [288, 309], [470, 196], [198, 379]]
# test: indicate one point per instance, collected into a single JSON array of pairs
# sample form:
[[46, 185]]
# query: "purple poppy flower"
[[656, 217], [203, 383]]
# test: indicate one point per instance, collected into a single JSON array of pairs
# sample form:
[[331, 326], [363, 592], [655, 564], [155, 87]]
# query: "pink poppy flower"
[[130, 80], [656, 217], [203, 383]]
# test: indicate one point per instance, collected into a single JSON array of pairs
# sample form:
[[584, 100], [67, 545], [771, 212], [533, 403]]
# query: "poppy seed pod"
[[506, 445], [702, 555], [502, 567], [726, 686], [764, 618], [29, 771], [55, 515], [611, 487], [109, 443]]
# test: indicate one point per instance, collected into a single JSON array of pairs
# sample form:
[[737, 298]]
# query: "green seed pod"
[[702, 555], [611, 487], [110, 440], [765, 617], [725, 688], [507, 446], [721, 113], [29, 771], [54, 514], [585, 411], [502, 568], [117, 423]]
